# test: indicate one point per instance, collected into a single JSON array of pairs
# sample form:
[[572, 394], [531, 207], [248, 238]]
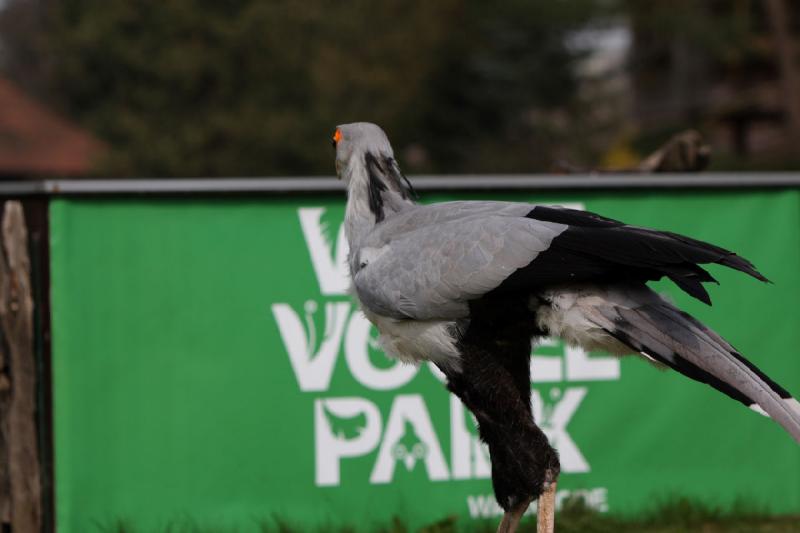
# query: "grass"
[[673, 516]]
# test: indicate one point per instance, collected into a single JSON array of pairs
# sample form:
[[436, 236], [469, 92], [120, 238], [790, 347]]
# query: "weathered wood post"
[[20, 473]]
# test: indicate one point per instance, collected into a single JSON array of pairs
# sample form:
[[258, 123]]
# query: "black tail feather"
[[679, 341]]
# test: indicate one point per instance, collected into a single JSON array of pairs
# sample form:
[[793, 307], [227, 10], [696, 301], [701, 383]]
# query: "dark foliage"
[[243, 87]]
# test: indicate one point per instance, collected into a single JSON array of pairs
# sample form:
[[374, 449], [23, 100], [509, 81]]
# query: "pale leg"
[[546, 514]]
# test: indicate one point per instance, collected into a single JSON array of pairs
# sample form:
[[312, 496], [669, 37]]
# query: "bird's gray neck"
[[376, 191]]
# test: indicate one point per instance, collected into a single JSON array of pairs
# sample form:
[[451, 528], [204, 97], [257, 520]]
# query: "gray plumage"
[[405, 270], [418, 271]]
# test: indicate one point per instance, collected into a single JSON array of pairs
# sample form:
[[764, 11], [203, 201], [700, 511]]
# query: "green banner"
[[209, 367]]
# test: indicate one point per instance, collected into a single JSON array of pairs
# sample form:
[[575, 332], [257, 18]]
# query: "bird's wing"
[[429, 265], [600, 250], [431, 261], [428, 216]]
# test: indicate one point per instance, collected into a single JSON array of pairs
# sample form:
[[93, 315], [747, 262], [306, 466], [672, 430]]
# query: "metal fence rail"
[[709, 180]]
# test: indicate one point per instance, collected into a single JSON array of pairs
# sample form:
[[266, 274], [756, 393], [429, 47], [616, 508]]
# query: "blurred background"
[[187, 330], [99, 88]]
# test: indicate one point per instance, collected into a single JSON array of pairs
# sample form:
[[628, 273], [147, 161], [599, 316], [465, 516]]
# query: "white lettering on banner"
[[353, 428], [438, 374], [356, 351], [332, 446], [581, 367], [553, 422], [313, 370], [409, 420], [485, 505], [331, 268], [546, 368], [410, 437]]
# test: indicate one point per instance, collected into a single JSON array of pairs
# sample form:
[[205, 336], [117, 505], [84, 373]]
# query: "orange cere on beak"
[[337, 136]]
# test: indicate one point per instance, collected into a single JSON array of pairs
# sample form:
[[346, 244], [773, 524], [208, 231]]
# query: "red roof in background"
[[36, 141]]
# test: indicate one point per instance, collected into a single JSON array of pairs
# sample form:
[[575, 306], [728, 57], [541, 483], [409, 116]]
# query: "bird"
[[686, 151], [469, 285]]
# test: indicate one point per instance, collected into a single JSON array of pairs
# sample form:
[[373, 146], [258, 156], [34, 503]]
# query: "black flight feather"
[[681, 365], [598, 249]]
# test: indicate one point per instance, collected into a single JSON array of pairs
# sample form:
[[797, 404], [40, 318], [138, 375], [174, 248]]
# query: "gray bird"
[[468, 285]]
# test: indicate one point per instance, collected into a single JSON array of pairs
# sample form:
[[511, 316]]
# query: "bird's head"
[[357, 141], [365, 162]]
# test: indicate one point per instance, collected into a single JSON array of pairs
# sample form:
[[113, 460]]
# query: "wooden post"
[[20, 464], [5, 483]]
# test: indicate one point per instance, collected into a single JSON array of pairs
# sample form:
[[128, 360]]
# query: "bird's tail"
[[640, 320]]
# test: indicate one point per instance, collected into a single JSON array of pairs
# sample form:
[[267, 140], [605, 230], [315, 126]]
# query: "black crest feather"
[[376, 186]]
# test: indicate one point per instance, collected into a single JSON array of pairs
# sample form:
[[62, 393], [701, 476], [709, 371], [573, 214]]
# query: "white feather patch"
[[414, 341], [648, 357], [792, 403], [572, 316]]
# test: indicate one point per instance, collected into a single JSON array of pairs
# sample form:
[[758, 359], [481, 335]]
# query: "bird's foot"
[[545, 514]]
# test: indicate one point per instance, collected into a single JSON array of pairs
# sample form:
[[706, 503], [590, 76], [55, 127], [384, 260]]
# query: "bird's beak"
[[337, 136]]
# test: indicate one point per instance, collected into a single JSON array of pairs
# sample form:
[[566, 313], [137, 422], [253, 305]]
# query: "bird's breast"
[[415, 341]]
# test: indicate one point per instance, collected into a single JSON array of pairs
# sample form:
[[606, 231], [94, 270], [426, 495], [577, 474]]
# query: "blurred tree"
[[247, 87], [243, 87], [778, 15], [501, 96], [24, 55], [727, 67], [193, 87]]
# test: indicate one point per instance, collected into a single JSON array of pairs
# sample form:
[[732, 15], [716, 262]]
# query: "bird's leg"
[[494, 383], [512, 517], [546, 512], [524, 465]]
